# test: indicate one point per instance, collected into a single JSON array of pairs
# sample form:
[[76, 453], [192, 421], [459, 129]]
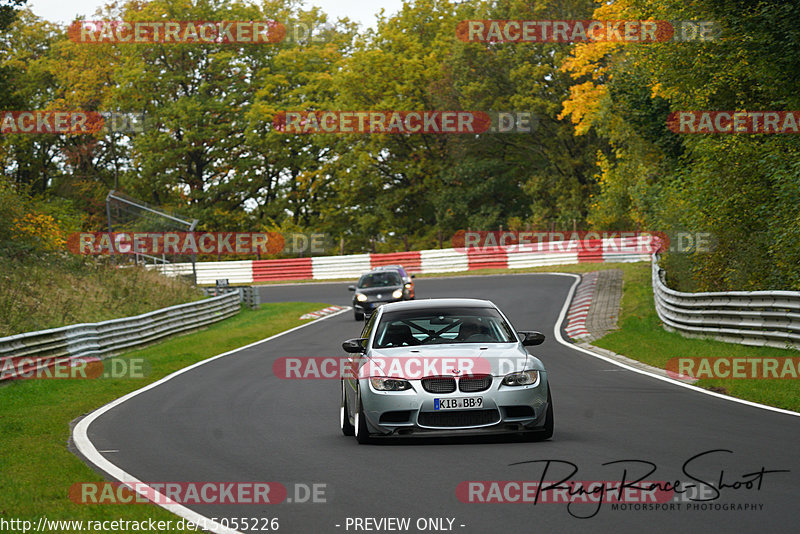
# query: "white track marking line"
[[560, 339], [81, 438]]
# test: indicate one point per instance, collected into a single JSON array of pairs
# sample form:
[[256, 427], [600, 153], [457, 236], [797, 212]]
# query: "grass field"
[[37, 469], [53, 291]]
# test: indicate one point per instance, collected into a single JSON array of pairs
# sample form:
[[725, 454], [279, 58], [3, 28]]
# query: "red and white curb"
[[579, 308], [323, 312]]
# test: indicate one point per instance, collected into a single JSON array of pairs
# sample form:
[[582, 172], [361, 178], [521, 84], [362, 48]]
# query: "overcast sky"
[[362, 11]]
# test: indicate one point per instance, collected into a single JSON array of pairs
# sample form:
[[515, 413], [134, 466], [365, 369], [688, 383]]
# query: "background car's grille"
[[459, 418], [439, 385], [474, 383]]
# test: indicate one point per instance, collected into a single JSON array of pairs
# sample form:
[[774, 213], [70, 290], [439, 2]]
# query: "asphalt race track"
[[233, 420]]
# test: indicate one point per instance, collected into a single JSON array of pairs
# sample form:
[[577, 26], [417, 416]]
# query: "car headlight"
[[398, 293], [523, 378], [408, 285], [361, 297], [389, 384]]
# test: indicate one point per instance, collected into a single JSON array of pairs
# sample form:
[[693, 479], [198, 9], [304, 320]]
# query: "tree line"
[[600, 157]]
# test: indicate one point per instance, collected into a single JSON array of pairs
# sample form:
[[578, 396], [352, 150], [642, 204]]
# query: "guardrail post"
[[249, 295]]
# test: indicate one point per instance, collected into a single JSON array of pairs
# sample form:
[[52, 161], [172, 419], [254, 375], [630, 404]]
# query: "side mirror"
[[354, 345], [531, 338], [351, 288]]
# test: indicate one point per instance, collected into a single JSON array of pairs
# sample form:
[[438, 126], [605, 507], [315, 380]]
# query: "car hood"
[[501, 358]]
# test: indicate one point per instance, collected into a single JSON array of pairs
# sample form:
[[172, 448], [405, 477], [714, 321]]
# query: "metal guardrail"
[[30, 351], [248, 295], [770, 318]]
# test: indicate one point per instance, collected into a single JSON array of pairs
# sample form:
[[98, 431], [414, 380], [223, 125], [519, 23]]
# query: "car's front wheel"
[[344, 415], [361, 431], [358, 315]]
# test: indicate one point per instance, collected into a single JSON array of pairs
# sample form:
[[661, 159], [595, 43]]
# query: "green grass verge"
[[37, 470], [52, 291], [641, 337]]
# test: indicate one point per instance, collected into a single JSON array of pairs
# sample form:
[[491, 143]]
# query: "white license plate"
[[460, 403]]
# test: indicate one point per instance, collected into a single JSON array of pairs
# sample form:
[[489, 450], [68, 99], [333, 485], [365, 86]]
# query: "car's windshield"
[[382, 279], [435, 327]]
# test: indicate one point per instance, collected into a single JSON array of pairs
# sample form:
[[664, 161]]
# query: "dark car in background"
[[376, 288], [407, 278]]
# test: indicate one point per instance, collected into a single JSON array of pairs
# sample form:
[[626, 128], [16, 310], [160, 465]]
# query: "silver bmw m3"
[[443, 366]]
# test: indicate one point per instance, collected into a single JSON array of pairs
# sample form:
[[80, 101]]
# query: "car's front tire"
[[361, 430], [344, 415], [358, 315]]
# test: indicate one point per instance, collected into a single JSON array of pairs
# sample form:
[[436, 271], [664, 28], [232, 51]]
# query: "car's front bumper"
[[368, 307], [504, 409]]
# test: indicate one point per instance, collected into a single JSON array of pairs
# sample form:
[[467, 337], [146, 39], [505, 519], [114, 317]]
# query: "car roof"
[[377, 270], [427, 304], [388, 268]]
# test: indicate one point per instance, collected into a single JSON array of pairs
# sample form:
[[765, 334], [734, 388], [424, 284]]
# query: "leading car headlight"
[[398, 293], [361, 297], [523, 378], [389, 384]]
